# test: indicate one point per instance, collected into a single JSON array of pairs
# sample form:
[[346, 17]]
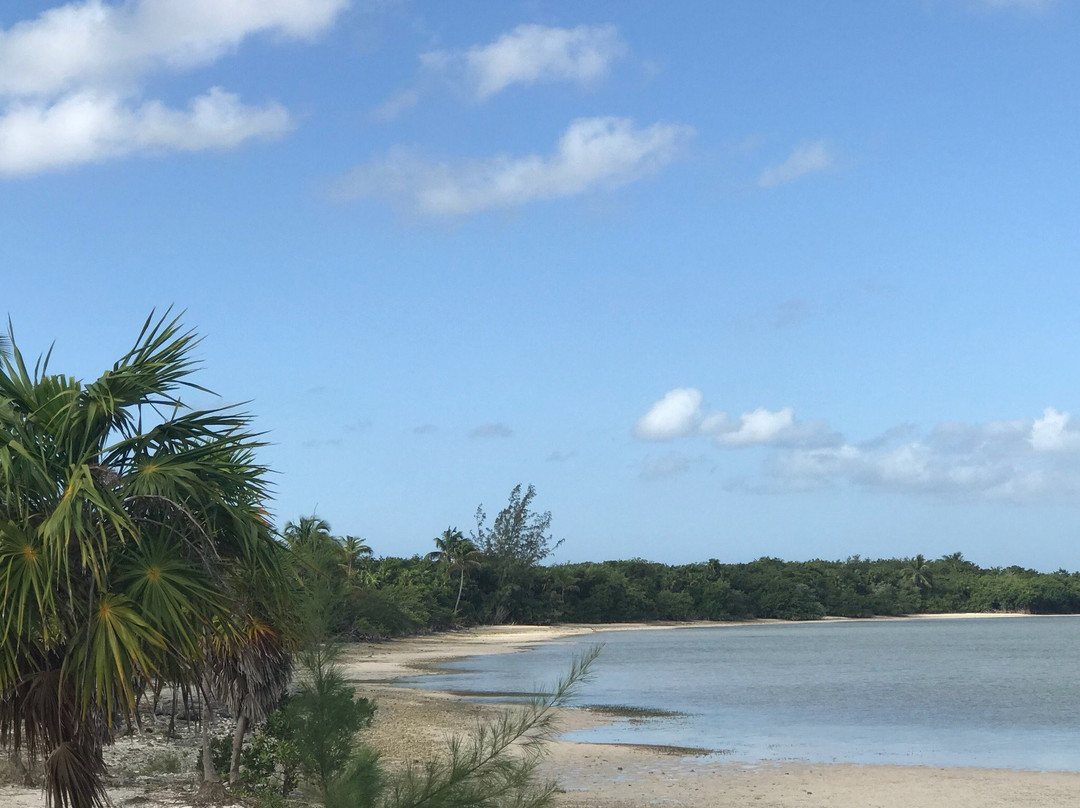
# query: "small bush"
[[164, 763]]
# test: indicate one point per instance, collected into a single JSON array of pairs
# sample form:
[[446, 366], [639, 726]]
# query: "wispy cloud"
[[425, 429], [494, 430], [668, 465], [560, 457], [70, 79], [592, 154], [393, 107], [531, 54], [807, 158], [1017, 460]]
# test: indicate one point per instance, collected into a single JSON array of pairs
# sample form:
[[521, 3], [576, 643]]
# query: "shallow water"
[[995, 693]]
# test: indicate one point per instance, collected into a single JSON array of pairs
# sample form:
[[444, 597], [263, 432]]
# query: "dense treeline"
[[413, 593], [496, 577]]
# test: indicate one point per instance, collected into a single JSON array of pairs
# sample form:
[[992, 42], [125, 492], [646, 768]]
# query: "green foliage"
[[411, 594], [324, 718], [221, 753], [457, 555], [270, 764], [164, 762], [518, 534], [311, 736], [130, 526], [378, 613], [518, 540]]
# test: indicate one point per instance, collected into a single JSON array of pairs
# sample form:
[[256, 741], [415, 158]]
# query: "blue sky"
[[720, 279]]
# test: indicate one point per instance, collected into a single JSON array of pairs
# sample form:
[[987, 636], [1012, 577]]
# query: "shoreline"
[[412, 723], [597, 775]]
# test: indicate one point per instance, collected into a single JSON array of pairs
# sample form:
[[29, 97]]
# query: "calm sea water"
[[999, 693]]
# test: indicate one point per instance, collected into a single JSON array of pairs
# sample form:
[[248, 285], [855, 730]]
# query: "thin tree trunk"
[[237, 746], [211, 791], [461, 585], [209, 773], [159, 684], [172, 716]]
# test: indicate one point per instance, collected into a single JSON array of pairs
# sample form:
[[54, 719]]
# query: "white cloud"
[[593, 153], [98, 43], [808, 158], [533, 53], [680, 414], [71, 78], [759, 426], [1016, 460], [1053, 433], [1019, 460], [88, 127], [676, 415]]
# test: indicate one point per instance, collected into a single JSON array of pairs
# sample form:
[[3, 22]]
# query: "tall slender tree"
[[458, 554], [124, 516]]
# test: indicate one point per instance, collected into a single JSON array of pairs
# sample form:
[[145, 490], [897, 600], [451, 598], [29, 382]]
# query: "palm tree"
[[316, 557], [309, 533], [250, 671], [356, 553], [918, 574], [124, 516], [458, 554]]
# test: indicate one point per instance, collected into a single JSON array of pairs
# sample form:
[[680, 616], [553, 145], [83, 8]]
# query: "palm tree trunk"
[[461, 585], [209, 772], [237, 746], [211, 791]]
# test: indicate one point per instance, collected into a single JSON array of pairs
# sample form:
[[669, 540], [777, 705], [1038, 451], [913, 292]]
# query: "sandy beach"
[[610, 776], [412, 724]]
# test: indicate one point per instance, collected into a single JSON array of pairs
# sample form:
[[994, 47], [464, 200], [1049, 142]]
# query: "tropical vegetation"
[[134, 548]]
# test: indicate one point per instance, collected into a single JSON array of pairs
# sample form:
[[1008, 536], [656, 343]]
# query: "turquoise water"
[[995, 693]]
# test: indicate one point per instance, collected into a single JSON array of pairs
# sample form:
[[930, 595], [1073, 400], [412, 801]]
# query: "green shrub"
[[164, 763]]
